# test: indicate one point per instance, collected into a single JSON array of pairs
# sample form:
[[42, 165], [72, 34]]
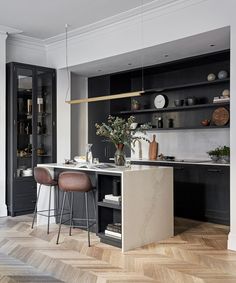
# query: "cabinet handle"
[[105, 149], [214, 170]]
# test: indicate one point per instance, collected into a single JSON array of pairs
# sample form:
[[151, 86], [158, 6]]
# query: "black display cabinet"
[[31, 131]]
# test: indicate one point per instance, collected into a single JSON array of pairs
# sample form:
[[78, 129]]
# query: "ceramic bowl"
[[179, 102]]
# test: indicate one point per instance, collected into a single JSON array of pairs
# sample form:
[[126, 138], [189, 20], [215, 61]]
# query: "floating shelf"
[[197, 84], [173, 109], [109, 205], [187, 128]]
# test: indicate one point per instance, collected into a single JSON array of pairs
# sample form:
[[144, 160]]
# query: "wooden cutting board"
[[220, 116], [153, 149]]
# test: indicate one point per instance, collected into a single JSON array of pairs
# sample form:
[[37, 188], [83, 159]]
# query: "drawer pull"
[[214, 170]]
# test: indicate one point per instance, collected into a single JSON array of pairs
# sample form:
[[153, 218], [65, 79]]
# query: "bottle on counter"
[[40, 104], [89, 155]]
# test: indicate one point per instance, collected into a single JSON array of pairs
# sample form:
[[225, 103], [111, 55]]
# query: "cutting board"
[[153, 149]]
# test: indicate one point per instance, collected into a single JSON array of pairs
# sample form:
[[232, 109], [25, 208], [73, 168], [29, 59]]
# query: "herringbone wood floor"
[[196, 254]]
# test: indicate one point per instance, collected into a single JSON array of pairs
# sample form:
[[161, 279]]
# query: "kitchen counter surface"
[[184, 161]]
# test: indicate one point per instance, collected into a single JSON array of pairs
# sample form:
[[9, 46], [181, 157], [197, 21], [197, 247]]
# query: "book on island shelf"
[[111, 197], [112, 201], [116, 227], [113, 234]]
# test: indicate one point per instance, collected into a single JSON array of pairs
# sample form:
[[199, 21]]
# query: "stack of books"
[[221, 99], [112, 199], [113, 230]]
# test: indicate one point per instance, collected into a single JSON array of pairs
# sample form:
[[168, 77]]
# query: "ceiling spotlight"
[[166, 55], [99, 70], [129, 64], [212, 45]]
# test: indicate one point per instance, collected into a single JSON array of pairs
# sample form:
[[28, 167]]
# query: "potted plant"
[[214, 154], [119, 131], [225, 154], [135, 104]]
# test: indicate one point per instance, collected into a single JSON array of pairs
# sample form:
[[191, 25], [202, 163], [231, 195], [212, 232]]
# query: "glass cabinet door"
[[24, 92], [44, 146]]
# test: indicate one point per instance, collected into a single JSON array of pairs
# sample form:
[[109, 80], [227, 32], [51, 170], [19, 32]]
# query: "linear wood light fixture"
[[106, 97]]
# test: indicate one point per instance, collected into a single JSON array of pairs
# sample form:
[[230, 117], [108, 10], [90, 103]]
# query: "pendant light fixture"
[[112, 96]]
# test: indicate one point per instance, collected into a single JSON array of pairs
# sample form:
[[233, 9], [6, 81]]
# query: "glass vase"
[[119, 157]]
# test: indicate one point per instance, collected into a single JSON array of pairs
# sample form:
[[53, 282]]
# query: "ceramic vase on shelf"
[[119, 157]]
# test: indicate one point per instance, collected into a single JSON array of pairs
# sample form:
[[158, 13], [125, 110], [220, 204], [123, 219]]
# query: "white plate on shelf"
[[160, 101]]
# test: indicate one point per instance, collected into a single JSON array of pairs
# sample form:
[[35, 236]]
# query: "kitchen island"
[[146, 210]]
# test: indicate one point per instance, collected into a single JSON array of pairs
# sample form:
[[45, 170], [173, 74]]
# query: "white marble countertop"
[[191, 162], [93, 168]]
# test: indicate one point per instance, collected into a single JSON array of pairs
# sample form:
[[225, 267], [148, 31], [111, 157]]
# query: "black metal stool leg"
[[35, 209], [49, 208], [71, 211], [94, 204], [87, 216], [62, 210]]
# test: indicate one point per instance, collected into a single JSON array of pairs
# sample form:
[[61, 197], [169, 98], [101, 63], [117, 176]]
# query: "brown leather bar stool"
[[43, 177], [71, 182]]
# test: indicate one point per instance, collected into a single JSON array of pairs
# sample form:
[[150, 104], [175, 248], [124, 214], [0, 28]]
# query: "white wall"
[[186, 18], [3, 210], [79, 115], [190, 144]]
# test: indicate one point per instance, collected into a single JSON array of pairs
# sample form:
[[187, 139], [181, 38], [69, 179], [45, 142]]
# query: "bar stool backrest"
[[42, 176], [74, 182]]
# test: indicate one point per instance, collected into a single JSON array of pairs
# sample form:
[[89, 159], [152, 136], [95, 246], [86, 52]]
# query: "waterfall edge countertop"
[[146, 212]]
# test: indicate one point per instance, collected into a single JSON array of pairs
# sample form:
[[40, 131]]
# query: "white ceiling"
[[186, 47], [44, 19]]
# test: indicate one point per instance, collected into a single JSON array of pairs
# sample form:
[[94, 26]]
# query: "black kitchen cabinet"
[[98, 113], [31, 131]]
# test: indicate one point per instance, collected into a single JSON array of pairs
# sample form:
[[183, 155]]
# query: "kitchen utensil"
[[153, 149], [220, 116]]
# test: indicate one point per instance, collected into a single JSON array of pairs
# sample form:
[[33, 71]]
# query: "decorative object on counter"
[[170, 123], [133, 126], [220, 116], [96, 160], [162, 157], [179, 102], [226, 93], [112, 199], [211, 77], [220, 154], [205, 122], [89, 155], [135, 105], [116, 188], [118, 131], [160, 101], [159, 123], [40, 104], [153, 149], [80, 159], [191, 101], [222, 75]]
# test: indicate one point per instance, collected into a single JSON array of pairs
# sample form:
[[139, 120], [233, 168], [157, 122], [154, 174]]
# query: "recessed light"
[[212, 45], [99, 70], [129, 64], [166, 55]]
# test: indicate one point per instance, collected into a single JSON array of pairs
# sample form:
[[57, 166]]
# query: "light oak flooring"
[[196, 254]]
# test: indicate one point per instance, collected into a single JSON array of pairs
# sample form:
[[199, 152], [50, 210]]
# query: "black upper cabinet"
[[98, 113], [31, 131]]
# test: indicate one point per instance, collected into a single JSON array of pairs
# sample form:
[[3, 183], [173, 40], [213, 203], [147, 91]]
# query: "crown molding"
[[156, 6], [25, 41], [9, 30]]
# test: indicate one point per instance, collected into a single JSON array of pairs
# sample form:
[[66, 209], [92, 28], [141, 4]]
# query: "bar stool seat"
[[71, 182], [43, 177]]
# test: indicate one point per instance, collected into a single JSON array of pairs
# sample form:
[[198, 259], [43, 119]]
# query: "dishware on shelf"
[[179, 102], [222, 75], [160, 101], [205, 122], [211, 77], [170, 123], [220, 116], [226, 93], [192, 101]]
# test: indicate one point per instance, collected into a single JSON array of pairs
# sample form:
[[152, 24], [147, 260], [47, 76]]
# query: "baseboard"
[[232, 242]]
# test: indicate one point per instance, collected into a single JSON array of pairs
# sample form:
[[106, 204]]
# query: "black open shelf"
[[173, 109], [109, 205], [181, 86], [187, 128], [109, 240]]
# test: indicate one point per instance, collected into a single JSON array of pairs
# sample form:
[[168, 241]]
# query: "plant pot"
[[135, 106], [119, 157], [214, 158], [225, 159]]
